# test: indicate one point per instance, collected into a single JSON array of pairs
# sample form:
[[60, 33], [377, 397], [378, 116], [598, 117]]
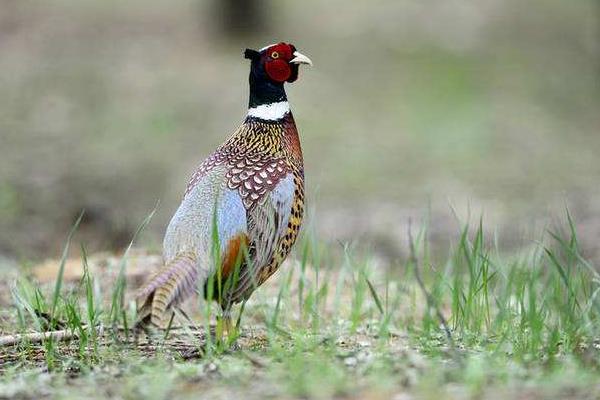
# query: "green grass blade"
[[118, 294], [375, 296], [61, 269]]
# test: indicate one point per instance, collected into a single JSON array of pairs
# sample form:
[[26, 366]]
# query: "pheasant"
[[242, 208]]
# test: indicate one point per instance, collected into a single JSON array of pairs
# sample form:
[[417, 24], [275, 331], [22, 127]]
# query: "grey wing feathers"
[[267, 224]]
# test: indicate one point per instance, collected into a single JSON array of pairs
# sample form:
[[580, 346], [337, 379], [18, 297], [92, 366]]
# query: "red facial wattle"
[[278, 70], [277, 63]]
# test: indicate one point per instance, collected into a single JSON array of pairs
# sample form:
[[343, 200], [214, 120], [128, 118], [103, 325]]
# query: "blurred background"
[[414, 109]]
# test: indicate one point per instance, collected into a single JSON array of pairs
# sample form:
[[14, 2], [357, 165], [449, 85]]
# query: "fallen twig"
[[37, 337], [66, 334]]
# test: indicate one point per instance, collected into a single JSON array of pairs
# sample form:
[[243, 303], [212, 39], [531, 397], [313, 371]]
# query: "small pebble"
[[350, 361], [212, 367]]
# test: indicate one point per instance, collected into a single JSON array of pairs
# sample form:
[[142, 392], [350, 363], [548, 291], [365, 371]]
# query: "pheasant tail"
[[170, 286]]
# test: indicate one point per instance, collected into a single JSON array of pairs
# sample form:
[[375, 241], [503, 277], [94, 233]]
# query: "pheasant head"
[[271, 67]]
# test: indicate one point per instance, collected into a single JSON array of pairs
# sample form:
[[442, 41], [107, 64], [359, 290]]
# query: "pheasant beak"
[[300, 58]]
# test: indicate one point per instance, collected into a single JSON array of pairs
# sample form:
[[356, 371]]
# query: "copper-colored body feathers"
[[256, 164]]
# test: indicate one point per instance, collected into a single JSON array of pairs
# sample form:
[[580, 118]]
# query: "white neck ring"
[[270, 112]]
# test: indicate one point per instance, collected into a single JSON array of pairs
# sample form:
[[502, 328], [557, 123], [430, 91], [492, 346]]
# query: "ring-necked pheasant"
[[243, 207]]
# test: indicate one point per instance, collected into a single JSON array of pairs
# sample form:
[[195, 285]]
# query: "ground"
[[330, 324]]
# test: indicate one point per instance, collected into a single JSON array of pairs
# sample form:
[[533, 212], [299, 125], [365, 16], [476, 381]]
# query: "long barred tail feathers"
[[169, 286]]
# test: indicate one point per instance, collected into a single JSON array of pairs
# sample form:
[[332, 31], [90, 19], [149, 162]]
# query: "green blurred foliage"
[[109, 106]]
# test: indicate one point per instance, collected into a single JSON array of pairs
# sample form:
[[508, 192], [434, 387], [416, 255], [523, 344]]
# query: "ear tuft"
[[251, 54]]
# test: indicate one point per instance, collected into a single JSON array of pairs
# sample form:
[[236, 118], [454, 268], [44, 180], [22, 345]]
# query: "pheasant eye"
[[275, 55]]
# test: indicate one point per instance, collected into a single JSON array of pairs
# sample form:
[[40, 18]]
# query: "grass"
[[336, 324]]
